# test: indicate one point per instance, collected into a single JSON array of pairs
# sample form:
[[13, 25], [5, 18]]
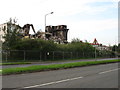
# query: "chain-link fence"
[[30, 55]]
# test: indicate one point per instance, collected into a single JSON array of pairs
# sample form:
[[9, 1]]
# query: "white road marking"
[[53, 82], [109, 71]]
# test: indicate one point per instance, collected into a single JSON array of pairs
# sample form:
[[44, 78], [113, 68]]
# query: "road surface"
[[97, 76], [54, 62]]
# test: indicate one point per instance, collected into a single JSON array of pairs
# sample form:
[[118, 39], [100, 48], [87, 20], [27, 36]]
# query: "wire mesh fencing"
[[31, 55]]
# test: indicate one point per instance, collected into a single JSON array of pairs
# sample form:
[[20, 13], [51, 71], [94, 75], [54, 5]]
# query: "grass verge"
[[37, 68], [15, 63]]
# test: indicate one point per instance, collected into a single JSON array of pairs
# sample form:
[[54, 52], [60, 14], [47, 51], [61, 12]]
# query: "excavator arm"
[[33, 28], [26, 28]]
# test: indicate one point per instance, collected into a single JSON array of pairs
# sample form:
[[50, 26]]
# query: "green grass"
[[14, 63], [37, 68]]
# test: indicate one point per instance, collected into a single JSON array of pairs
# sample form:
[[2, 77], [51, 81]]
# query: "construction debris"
[[57, 33]]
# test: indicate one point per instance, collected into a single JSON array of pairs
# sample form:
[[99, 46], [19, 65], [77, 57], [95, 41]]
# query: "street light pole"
[[45, 19], [95, 53]]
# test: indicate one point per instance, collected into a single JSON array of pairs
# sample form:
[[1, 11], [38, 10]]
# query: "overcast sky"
[[85, 19]]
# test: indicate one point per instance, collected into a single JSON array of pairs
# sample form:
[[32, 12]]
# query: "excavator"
[[26, 29]]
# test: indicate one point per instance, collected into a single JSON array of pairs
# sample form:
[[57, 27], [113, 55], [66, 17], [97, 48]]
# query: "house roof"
[[95, 42]]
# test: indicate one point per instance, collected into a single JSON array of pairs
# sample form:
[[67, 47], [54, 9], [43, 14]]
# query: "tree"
[[119, 48], [35, 44], [114, 48], [76, 40], [11, 34]]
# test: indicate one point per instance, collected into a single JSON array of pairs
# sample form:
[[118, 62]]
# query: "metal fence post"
[[71, 55], [53, 55], [63, 55], [95, 54], [45, 55], [40, 56], [77, 55], [83, 54], [6, 56], [24, 55]]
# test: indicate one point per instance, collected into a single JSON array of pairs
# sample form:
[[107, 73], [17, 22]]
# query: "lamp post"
[[95, 52], [45, 19]]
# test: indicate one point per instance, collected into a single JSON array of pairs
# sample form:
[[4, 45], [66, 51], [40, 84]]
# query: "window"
[[4, 27]]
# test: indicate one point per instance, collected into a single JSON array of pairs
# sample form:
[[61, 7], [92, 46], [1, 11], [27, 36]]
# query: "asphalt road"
[[53, 62], [97, 76]]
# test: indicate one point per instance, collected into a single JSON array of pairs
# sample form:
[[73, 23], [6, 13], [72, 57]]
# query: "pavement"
[[97, 76], [54, 62]]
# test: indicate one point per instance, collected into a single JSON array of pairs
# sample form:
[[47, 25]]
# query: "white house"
[[4, 27], [3, 30], [99, 46]]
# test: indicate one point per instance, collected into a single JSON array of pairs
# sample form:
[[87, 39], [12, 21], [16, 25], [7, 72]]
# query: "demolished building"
[[58, 34]]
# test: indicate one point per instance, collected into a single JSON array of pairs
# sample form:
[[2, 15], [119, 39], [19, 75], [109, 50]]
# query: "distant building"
[[3, 30], [99, 46]]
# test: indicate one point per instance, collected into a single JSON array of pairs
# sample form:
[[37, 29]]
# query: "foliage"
[[47, 46], [41, 48], [114, 48], [35, 44], [119, 48], [11, 35], [76, 40]]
